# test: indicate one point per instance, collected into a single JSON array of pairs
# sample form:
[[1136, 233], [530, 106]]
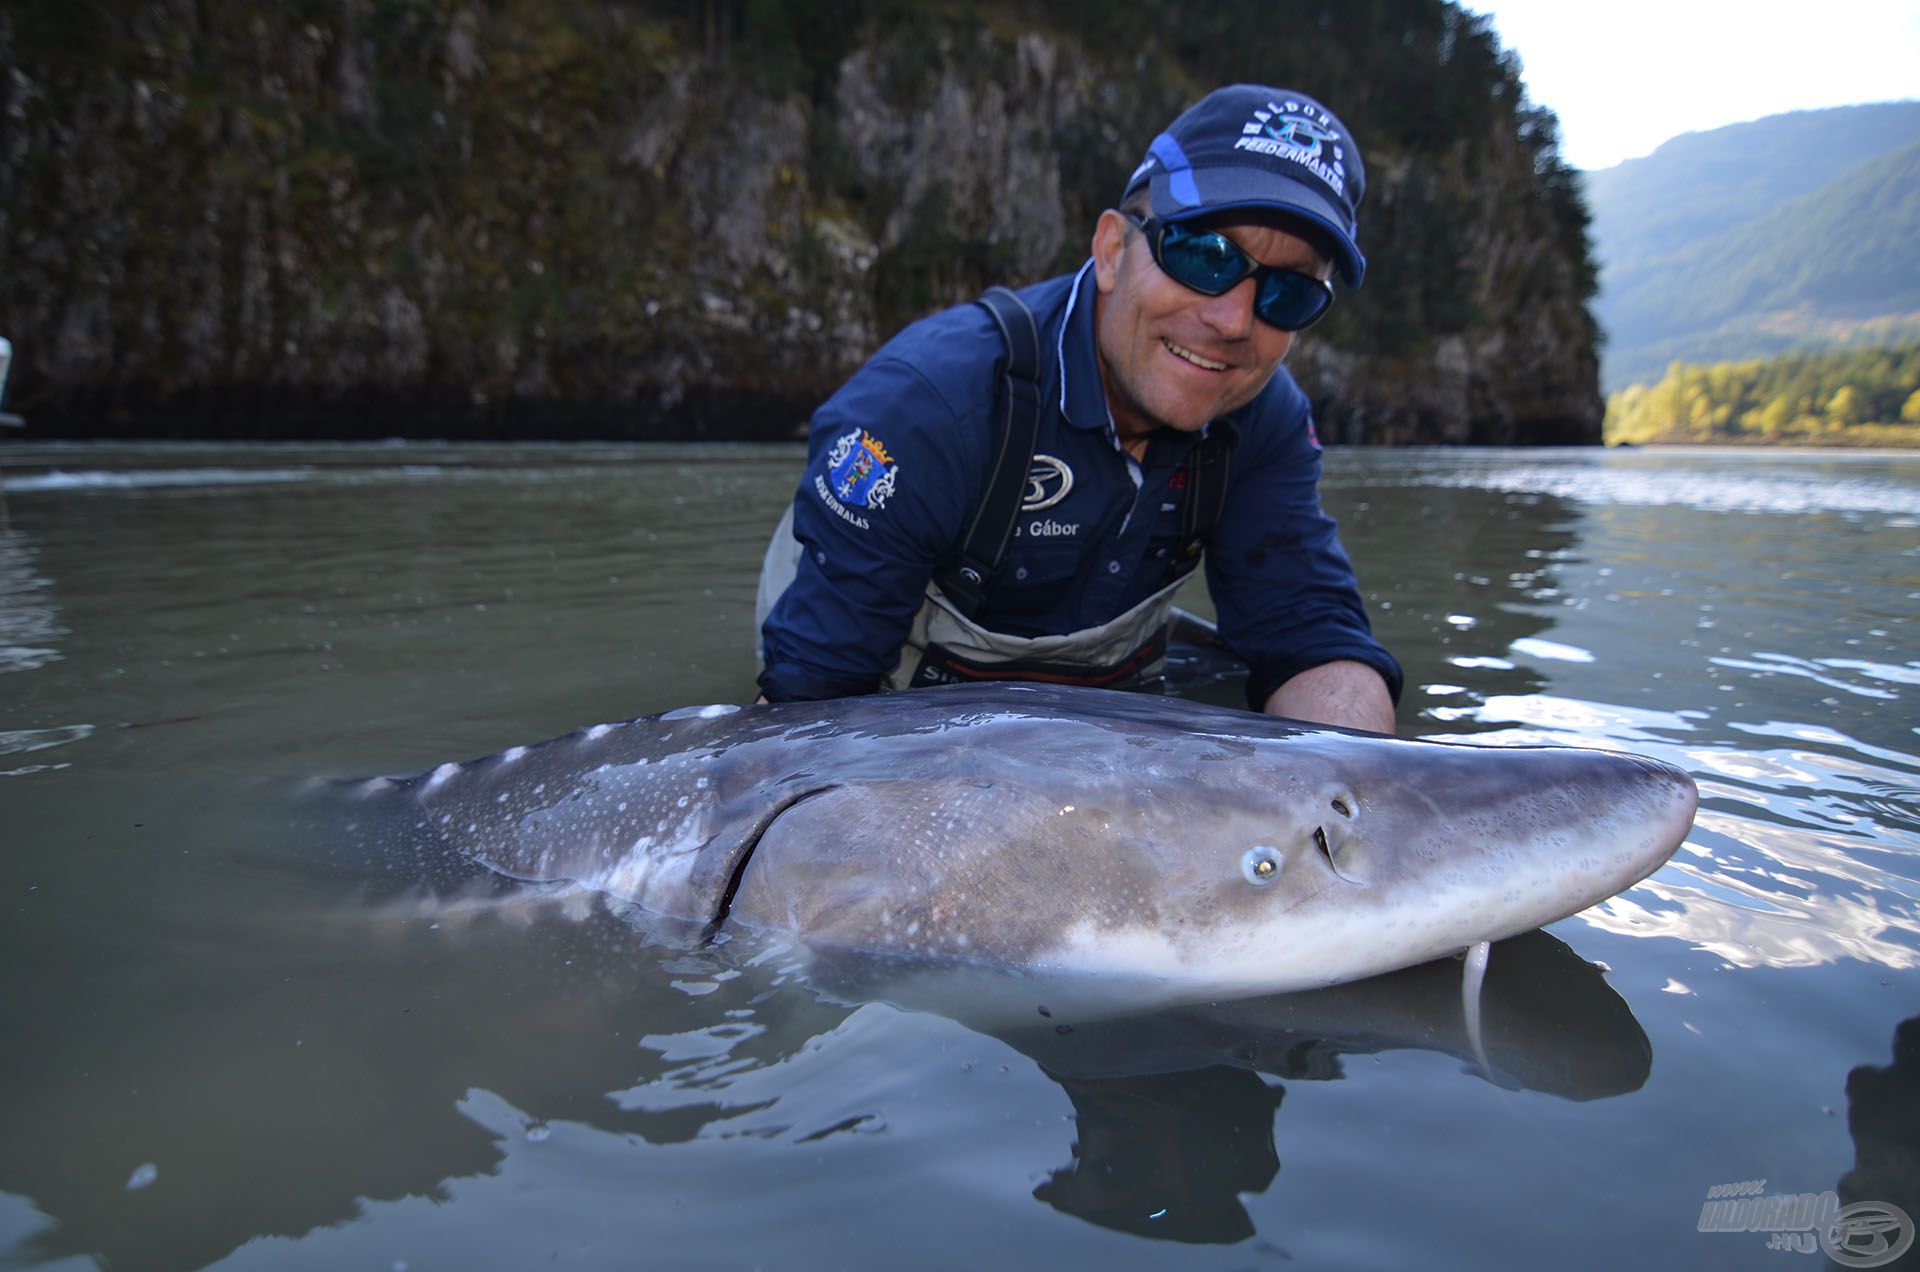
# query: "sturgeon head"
[[1194, 851]]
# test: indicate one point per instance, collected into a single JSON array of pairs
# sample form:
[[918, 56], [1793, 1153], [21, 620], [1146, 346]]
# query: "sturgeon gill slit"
[[746, 855]]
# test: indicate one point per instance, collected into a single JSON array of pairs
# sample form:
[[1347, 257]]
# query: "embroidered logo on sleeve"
[[860, 474]]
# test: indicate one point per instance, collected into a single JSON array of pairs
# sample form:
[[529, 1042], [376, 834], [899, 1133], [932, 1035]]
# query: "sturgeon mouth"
[[724, 907], [1328, 855]]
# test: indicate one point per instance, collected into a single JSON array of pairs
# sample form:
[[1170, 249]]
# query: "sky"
[[1627, 75]]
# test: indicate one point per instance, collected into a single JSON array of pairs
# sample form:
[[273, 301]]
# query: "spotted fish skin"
[[1205, 850]]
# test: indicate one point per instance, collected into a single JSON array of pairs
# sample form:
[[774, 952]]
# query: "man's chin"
[[1173, 411], [1191, 412], [1184, 421]]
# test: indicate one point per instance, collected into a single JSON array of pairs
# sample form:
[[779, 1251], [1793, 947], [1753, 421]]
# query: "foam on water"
[[149, 479], [1787, 483], [217, 479]]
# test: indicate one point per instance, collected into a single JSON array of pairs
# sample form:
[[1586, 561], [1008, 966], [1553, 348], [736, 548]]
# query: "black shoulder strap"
[[1207, 466], [966, 578], [1204, 476]]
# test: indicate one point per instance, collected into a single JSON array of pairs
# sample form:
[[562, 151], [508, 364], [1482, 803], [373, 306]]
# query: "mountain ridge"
[[1790, 232]]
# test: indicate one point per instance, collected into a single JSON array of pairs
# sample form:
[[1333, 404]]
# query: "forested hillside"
[[642, 219], [1793, 232], [1868, 397]]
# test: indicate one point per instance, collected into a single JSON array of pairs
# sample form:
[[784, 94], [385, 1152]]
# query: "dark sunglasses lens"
[[1291, 301], [1206, 262], [1211, 263]]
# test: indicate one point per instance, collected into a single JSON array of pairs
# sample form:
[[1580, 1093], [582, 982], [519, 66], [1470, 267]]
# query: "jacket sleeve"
[[1281, 582], [890, 473]]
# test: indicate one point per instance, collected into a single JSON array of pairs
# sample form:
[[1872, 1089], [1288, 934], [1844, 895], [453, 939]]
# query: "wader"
[[945, 645]]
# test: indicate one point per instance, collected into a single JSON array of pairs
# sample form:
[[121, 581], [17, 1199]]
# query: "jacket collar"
[[1083, 395]]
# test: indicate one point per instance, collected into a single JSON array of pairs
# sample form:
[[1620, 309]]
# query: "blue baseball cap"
[[1249, 146]]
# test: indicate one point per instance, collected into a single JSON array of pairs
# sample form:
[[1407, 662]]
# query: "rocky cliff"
[[285, 218]]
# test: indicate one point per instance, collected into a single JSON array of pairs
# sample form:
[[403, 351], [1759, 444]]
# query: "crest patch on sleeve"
[[860, 474]]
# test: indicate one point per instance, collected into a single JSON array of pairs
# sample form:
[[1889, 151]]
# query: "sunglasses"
[[1212, 264]]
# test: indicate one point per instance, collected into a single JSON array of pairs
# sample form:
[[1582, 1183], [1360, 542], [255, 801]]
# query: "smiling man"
[[1014, 489]]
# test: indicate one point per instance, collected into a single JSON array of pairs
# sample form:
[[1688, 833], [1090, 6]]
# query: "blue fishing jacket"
[[898, 461]]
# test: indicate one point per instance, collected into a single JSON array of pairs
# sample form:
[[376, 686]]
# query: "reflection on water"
[[1797, 856], [1883, 1117], [1168, 1156], [582, 1027], [21, 741], [292, 1073], [1172, 1123], [30, 629], [30, 632], [1777, 482], [1726, 603]]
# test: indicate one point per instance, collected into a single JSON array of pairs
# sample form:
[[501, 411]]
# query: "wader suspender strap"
[[1207, 466], [965, 580]]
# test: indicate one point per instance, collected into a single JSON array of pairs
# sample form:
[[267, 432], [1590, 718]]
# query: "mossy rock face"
[[466, 218]]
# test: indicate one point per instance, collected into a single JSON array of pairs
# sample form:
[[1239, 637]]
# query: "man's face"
[[1171, 357]]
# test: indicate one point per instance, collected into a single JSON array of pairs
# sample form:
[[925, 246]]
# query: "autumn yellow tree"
[[1843, 408]]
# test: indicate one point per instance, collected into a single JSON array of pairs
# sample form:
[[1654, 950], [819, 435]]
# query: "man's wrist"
[[1348, 694]]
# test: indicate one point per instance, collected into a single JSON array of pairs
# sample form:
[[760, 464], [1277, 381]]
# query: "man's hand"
[[1348, 694]]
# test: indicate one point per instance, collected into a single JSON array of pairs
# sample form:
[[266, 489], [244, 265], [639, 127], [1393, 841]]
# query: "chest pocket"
[[1033, 581]]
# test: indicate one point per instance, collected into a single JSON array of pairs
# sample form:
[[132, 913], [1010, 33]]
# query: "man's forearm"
[[1349, 694]]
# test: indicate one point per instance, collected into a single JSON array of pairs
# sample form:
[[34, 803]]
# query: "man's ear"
[[1109, 243]]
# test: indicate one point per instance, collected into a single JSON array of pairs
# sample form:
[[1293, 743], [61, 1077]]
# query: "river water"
[[214, 1053]]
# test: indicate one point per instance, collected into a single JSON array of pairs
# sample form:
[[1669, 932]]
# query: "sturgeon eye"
[[1261, 865]]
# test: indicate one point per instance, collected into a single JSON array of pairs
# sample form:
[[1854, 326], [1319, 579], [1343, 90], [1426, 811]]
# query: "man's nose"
[[1231, 312]]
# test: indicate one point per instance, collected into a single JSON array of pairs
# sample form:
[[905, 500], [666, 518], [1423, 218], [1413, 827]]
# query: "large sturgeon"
[[1192, 851]]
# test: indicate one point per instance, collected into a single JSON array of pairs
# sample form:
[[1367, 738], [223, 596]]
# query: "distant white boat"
[[10, 421], [6, 361]]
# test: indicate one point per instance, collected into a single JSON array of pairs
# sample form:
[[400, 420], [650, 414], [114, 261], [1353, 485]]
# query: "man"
[[1165, 424]]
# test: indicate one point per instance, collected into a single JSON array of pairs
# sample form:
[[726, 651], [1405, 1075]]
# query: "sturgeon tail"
[[375, 832]]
